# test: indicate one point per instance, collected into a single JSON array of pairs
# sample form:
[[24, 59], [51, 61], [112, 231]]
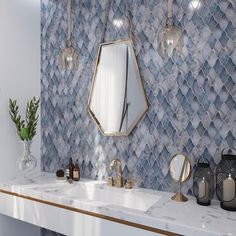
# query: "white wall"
[[19, 79]]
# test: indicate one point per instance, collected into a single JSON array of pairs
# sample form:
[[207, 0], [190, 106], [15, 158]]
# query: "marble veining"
[[183, 218]]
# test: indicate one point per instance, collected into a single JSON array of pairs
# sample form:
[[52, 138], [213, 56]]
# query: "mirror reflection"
[[180, 168], [117, 99]]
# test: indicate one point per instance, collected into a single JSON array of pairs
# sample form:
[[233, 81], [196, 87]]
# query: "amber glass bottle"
[[76, 173]]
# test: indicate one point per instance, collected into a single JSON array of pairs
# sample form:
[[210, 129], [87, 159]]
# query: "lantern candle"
[[225, 180], [203, 182], [203, 192], [229, 192]]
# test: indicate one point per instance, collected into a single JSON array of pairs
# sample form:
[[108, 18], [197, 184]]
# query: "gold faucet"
[[119, 181]]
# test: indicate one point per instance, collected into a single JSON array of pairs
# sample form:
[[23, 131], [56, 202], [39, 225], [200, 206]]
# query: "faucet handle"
[[110, 181], [119, 182], [129, 184]]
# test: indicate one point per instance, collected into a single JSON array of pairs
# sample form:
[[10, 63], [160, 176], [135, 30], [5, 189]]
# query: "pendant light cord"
[[169, 12], [131, 30], [69, 22], [170, 9], [128, 16], [105, 20]]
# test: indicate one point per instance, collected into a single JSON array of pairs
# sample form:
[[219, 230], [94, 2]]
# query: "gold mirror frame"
[[179, 197], [141, 115]]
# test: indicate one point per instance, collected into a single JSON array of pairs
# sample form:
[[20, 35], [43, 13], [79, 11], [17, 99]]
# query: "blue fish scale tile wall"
[[192, 98]]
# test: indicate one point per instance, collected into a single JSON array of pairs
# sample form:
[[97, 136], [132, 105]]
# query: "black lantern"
[[203, 182], [226, 180]]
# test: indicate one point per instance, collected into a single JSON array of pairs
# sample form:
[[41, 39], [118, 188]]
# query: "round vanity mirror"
[[180, 170]]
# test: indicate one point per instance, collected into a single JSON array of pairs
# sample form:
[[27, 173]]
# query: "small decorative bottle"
[[69, 170], [76, 173]]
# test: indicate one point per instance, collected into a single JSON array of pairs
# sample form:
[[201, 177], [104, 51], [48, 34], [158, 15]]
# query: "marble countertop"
[[186, 218]]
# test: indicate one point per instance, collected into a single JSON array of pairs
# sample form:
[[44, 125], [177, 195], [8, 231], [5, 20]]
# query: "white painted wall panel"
[[20, 79]]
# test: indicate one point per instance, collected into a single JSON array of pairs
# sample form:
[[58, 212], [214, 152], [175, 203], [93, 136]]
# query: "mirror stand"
[[180, 171], [179, 197]]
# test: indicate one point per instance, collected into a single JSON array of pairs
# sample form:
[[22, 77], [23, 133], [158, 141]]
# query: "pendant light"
[[69, 59], [170, 38]]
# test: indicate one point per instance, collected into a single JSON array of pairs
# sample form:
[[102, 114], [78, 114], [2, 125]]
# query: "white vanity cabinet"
[[64, 221]]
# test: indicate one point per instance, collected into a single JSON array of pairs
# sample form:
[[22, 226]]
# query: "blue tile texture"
[[191, 98]]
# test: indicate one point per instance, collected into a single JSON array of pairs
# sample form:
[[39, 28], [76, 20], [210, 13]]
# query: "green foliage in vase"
[[26, 129]]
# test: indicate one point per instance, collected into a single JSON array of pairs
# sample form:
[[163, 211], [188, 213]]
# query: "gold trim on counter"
[[89, 213]]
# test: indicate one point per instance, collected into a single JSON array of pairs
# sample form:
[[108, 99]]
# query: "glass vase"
[[27, 162]]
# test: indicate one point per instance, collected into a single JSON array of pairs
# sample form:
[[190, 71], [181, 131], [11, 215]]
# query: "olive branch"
[[26, 129]]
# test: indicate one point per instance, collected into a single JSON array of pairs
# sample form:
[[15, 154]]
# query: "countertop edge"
[[94, 214]]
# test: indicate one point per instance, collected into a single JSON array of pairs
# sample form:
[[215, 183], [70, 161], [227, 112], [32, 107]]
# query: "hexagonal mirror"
[[117, 100]]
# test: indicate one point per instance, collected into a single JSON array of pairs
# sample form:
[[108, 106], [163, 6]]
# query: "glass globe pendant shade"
[[69, 59], [170, 40]]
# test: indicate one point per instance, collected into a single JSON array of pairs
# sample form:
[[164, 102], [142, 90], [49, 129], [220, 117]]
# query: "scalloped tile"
[[192, 99]]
